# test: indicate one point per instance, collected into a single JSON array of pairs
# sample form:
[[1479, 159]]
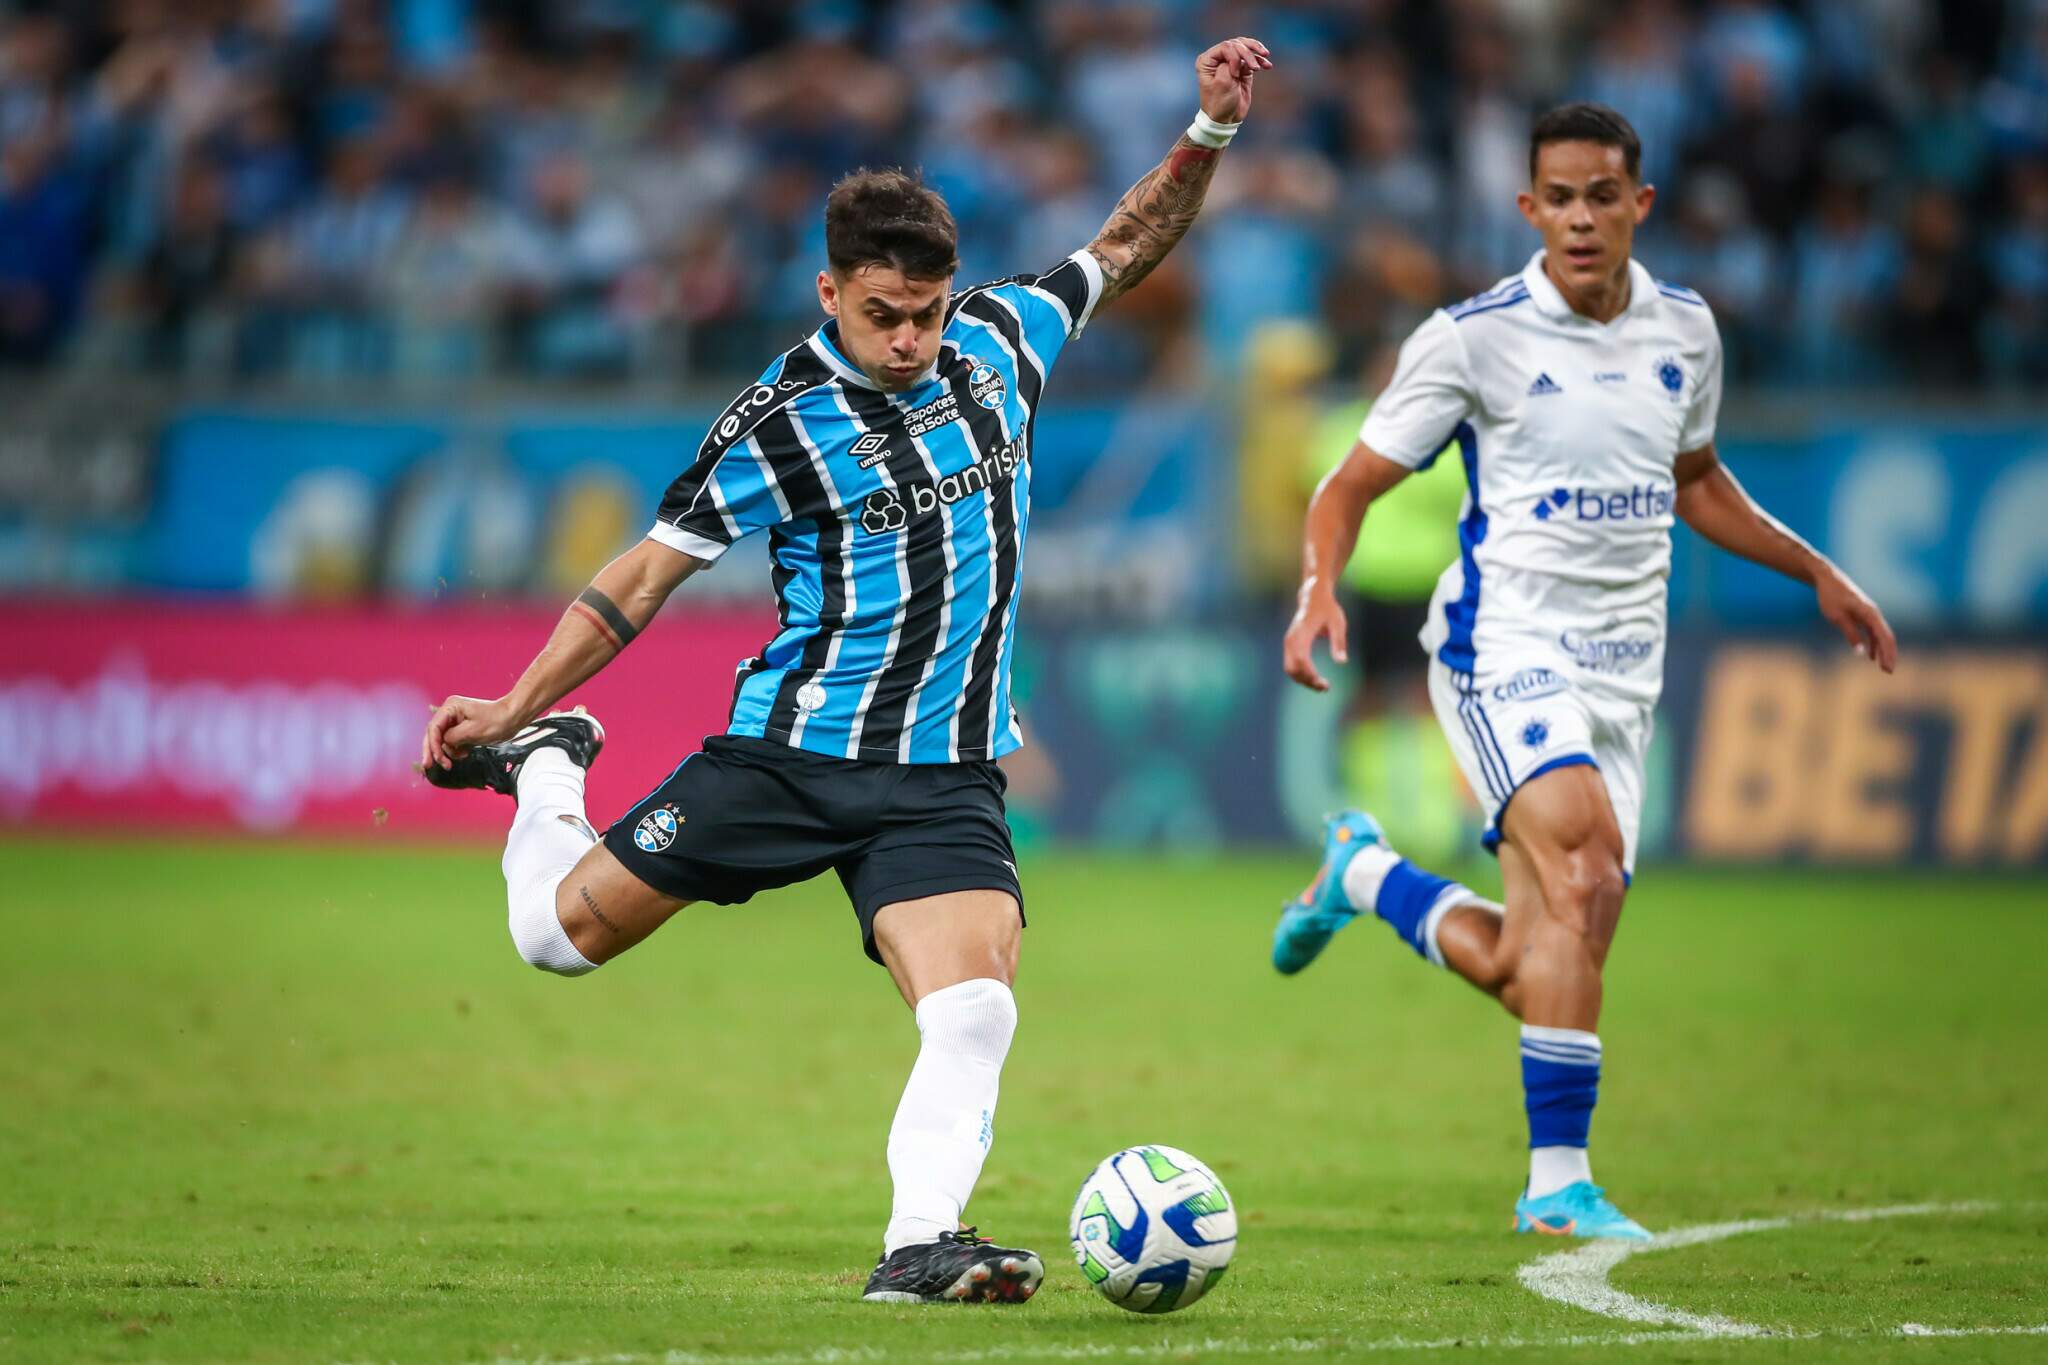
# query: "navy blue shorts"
[[748, 815]]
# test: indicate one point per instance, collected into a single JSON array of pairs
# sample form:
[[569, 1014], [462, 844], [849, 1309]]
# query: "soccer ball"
[[1153, 1229]]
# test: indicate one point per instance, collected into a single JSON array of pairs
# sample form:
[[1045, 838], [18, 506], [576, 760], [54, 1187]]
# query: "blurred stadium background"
[[340, 340]]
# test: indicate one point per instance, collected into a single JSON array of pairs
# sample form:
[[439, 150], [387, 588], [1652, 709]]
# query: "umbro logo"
[[872, 449], [1544, 384]]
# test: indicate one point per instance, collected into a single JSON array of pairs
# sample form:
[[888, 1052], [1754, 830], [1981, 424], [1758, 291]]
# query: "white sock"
[[1553, 1168], [549, 835], [1364, 873], [946, 1119]]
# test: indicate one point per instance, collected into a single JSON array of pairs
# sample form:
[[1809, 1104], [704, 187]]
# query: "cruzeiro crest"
[[985, 382], [656, 830], [1672, 376]]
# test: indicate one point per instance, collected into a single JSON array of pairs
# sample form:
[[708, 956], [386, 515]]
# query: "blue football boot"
[[1580, 1209], [1309, 920]]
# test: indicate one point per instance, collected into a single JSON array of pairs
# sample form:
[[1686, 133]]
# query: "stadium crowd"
[[437, 189]]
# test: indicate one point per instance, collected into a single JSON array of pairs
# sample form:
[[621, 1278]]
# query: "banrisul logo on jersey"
[[1601, 504], [888, 510]]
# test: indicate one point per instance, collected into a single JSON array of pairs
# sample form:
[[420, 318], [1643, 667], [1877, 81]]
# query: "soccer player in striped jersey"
[[1582, 396], [888, 457]]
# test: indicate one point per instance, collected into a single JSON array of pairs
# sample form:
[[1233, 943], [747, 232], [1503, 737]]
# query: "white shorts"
[[1509, 725]]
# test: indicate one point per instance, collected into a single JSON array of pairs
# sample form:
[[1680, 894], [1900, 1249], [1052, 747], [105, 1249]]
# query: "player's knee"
[[1585, 890], [542, 942]]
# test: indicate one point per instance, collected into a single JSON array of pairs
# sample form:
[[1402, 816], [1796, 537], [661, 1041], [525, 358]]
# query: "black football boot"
[[496, 766], [958, 1268]]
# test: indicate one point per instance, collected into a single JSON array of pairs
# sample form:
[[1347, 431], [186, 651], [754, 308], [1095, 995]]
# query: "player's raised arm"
[[1155, 213], [603, 620], [1715, 504]]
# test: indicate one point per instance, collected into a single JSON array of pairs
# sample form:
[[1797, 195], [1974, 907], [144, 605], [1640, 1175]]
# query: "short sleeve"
[[1052, 308], [1705, 411], [729, 490], [1430, 394]]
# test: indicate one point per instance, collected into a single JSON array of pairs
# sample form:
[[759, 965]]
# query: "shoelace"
[[968, 1237]]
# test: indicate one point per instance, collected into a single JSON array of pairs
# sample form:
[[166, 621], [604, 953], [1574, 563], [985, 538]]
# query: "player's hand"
[[1317, 618], [1857, 617], [1225, 72], [460, 723]]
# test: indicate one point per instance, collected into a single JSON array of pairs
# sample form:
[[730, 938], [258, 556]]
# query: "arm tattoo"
[[602, 613], [590, 904], [1152, 216]]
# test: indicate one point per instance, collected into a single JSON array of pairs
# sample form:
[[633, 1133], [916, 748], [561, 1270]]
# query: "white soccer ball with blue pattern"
[[1153, 1229]]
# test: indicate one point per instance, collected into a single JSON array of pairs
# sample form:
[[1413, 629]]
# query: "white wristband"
[[1207, 132]]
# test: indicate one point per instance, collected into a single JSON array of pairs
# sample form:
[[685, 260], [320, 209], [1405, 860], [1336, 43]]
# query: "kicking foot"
[[1580, 1209], [496, 766], [958, 1268], [1309, 920]]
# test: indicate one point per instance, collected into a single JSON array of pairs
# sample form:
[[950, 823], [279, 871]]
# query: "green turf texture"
[[268, 1102]]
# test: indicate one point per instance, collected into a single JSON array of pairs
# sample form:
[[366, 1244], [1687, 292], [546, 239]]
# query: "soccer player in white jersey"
[[1581, 395]]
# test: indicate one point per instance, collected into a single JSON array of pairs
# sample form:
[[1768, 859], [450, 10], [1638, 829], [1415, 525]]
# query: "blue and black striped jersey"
[[896, 527]]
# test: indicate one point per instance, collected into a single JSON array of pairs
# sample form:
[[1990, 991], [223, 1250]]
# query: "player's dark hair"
[[1587, 123], [890, 217]]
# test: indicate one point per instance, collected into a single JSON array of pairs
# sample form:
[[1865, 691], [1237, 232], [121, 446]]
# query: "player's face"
[[889, 324], [1586, 205]]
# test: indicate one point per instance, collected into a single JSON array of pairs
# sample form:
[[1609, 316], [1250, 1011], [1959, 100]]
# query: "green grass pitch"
[[282, 1103]]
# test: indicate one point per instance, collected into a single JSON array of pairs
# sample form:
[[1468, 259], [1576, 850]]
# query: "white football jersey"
[[1568, 429]]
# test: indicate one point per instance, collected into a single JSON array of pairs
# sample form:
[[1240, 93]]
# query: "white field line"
[[1578, 1278], [1914, 1329]]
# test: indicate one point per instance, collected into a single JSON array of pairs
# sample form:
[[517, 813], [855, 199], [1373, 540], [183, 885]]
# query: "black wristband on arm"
[[613, 619]]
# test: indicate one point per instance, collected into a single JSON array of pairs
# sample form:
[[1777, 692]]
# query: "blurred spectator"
[[1490, 129], [1846, 262], [1129, 83], [185, 280], [259, 156], [1638, 66], [567, 250], [1260, 252], [1390, 176], [444, 277], [1718, 250], [1945, 138], [2016, 333], [1940, 295], [1766, 147], [2016, 103], [1753, 52], [324, 266], [45, 218]]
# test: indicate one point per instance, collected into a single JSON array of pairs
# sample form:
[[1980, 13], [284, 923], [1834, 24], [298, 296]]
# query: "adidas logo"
[[1544, 384]]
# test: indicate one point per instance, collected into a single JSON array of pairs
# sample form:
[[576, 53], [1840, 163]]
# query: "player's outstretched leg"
[[1563, 838], [1360, 873], [953, 957], [543, 768]]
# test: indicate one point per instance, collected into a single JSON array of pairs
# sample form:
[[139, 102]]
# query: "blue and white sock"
[[1560, 1086], [1408, 898]]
